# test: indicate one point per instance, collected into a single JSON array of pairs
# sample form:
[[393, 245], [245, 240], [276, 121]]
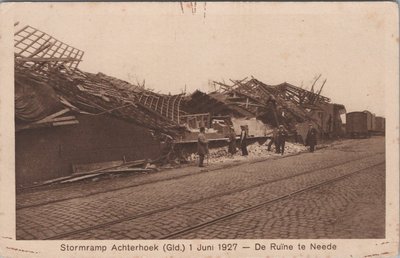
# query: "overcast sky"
[[348, 44]]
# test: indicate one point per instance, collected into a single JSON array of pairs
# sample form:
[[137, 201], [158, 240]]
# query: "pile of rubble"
[[283, 104], [255, 150], [42, 59]]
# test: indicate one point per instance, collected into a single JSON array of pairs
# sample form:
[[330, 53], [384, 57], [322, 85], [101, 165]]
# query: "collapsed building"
[[284, 104], [67, 119]]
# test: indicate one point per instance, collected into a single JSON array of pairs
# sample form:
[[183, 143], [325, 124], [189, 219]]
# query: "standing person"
[[167, 150], [232, 142], [243, 140], [202, 146], [273, 140], [282, 134], [311, 139], [295, 134]]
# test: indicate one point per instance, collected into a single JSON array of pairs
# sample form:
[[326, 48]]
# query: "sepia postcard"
[[199, 129]]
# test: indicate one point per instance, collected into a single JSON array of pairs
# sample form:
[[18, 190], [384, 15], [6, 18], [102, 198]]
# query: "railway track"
[[237, 213], [227, 216], [150, 182], [21, 207]]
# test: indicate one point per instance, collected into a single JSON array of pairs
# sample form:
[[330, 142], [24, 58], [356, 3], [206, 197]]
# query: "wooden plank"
[[121, 170], [58, 119], [179, 103], [312, 86], [151, 103], [108, 111], [46, 59], [162, 105], [246, 104], [169, 99], [73, 122], [195, 115], [78, 178], [147, 97], [158, 101], [66, 68], [74, 179], [50, 117], [127, 164], [41, 125], [173, 108], [83, 168], [67, 103]]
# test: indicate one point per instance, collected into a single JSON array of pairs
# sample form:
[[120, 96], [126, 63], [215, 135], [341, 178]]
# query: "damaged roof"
[[273, 104], [43, 60], [52, 65]]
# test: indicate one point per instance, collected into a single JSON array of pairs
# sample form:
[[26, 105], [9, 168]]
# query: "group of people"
[[279, 137], [202, 143]]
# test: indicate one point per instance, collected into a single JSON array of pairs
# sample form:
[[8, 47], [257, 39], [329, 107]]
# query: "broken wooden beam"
[[110, 166]]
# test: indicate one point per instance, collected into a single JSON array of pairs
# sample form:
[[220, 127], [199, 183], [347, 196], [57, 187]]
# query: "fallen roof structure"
[[214, 102], [259, 98], [42, 59], [43, 53], [272, 104]]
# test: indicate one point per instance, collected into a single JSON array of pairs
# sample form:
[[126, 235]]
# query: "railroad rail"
[[254, 207], [207, 170], [21, 207], [227, 193]]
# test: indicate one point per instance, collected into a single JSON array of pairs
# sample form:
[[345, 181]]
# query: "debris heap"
[[42, 59], [283, 104], [255, 150]]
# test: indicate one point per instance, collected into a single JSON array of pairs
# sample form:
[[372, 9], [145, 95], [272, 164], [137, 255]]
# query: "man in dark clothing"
[[232, 142], [273, 140], [311, 139], [281, 139], [202, 146], [243, 141]]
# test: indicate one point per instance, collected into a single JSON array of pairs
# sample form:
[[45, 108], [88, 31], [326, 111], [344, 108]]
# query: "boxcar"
[[370, 121], [380, 125], [358, 124]]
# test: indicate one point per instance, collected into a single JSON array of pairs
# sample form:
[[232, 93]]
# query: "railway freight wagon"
[[359, 124], [379, 125], [370, 121]]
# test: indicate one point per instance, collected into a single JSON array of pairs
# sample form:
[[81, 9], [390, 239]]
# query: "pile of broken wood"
[[43, 58], [273, 104], [93, 170]]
